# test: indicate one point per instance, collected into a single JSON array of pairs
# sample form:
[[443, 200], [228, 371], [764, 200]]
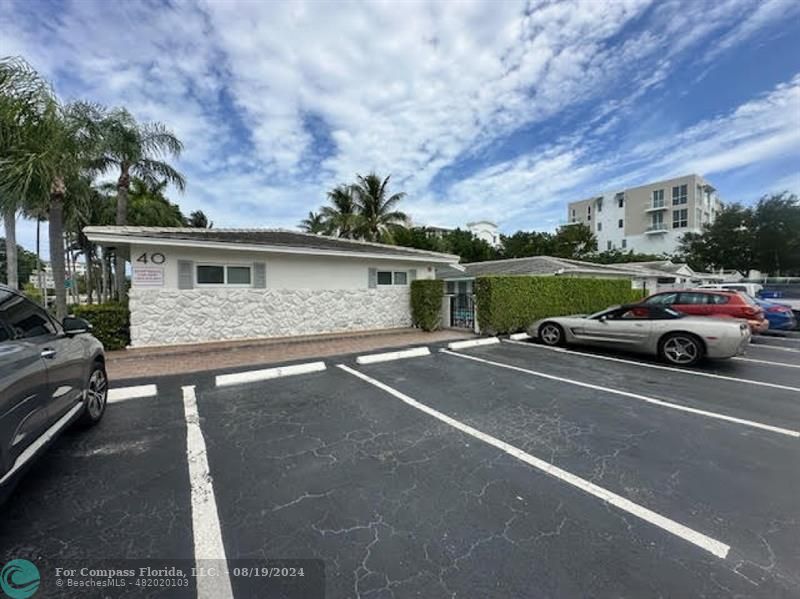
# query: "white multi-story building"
[[651, 218]]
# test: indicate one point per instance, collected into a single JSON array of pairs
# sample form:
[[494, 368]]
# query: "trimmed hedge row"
[[110, 323], [510, 304], [426, 303]]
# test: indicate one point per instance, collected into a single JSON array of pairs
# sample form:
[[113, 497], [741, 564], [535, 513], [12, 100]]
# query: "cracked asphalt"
[[399, 504]]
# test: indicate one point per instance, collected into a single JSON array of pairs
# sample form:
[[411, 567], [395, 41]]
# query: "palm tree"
[[342, 218], [314, 223], [22, 93], [135, 150], [376, 208], [198, 220], [50, 149]]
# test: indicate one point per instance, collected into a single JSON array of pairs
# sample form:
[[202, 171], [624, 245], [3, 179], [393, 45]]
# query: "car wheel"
[[681, 349], [551, 333], [96, 396]]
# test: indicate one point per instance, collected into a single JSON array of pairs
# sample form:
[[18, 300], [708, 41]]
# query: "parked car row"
[[679, 326], [781, 316]]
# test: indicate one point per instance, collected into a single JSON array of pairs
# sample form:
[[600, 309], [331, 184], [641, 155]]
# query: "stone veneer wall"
[[160, 317]]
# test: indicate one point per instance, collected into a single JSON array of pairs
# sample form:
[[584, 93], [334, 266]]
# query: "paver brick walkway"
[[180, 359]]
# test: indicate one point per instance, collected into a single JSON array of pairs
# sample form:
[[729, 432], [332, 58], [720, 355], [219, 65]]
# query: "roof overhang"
[[111, 239]]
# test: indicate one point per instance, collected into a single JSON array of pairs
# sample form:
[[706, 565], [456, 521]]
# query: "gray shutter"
[[259, 275], [373, 278], [412, 274], [185, 274]]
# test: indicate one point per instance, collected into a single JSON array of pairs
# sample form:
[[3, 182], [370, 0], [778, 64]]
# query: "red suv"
[[716, 303]]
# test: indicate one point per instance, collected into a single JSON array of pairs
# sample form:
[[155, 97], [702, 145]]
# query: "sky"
[[498, 110]]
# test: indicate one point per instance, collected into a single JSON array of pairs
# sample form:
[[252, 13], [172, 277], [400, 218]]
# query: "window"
[[387, 277], [599, 226], [600, 204], [620, 223], [679, 195], [693, 298], [3, 333], [624, 243], [238, 275], [620, 197], [588, 210], [217, 274], [609, 245], [717, 298], [451, 287], [24, 318], [658, 198], [680, 218], [662, 299]]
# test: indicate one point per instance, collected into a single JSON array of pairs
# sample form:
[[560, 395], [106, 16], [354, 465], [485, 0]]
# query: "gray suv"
[[51, 375]]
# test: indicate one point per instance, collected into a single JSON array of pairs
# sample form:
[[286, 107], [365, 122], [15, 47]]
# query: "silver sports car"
[[675, 337]]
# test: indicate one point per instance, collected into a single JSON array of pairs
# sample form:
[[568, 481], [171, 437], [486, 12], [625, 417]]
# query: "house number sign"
[[154, 258]]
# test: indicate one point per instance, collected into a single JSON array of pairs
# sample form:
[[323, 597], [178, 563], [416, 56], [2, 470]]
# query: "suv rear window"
[[717, 298]]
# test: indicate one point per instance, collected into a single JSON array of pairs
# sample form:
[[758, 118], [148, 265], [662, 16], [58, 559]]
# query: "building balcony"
[[656, 207], [655, 229]]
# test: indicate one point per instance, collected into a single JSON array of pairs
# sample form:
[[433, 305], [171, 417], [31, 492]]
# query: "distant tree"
[[574, 241], [523, 244], [729, 242], [377, 209], [198, 220], [149, 207], [420, 238], [617, 256], [26, 261], [469, 247], [314, 223], [341, 218], [777, 234]]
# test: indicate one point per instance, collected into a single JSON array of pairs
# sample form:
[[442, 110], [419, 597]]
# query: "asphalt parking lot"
[[506, 470]]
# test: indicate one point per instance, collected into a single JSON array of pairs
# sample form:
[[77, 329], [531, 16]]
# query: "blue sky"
[[498, 110]]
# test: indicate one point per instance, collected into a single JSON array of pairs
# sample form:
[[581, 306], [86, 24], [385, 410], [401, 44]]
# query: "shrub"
[[110, 323], [509, 304], [426, 303]]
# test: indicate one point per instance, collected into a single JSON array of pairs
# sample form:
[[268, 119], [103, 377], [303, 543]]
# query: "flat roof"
[[542, 265], [266, 240]]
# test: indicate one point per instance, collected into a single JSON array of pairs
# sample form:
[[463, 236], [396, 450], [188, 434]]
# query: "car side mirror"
[[75, 326], [603, 318]]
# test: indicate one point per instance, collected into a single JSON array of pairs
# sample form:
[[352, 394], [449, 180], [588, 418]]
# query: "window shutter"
[[185, 274], [373, 278], [412, 274], [259, 275]]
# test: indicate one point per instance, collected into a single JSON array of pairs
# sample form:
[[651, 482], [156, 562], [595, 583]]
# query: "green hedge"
[[110, 323], [509, 304], [426, 303]]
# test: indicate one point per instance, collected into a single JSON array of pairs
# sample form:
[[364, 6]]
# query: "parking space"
[[499, 471], [120, 489]]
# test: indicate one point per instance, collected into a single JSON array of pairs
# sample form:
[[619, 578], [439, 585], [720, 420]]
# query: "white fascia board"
[[246, 247]]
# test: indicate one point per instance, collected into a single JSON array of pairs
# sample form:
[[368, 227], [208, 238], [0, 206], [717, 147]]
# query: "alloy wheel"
[[681, 350], [550, 334], [96, 393]]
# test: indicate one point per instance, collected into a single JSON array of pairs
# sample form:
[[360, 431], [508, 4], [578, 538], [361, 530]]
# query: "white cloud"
[[406, 88]]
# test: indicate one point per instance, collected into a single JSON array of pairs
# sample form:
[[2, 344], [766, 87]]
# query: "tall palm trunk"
[[10, 223], [122, 219], [56, 230]]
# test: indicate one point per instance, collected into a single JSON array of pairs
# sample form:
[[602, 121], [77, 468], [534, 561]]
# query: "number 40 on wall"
[[154, 258]]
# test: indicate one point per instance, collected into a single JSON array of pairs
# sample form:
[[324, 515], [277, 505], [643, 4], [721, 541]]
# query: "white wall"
[[163, 317], [283, 271]]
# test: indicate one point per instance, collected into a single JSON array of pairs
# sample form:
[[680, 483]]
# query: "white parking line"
[[767, 362], [205, 517], [768, 347], [658, 366], [251, 376], [650, 400], [705, 542], [519, 336], [123, 393], [473, 343], [414, 352]]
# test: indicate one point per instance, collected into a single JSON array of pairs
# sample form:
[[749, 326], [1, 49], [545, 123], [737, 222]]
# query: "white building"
[[194, 285], [651, 218]]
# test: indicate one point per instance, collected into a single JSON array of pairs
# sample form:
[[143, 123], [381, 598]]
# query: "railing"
[[654, 228]]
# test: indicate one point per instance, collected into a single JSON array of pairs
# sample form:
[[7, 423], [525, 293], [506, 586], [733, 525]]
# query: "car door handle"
[[48, 353]]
